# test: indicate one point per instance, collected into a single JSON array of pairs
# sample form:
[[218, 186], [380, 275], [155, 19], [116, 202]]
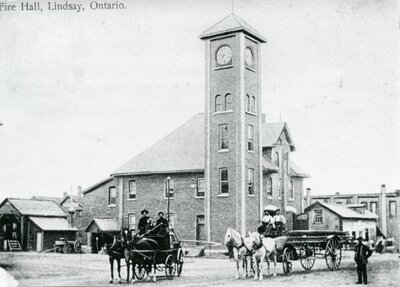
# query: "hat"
[[161, 213], [360, 238], [144, 211]]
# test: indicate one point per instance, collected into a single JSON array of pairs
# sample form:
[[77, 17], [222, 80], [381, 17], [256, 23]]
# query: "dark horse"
[[115, 251], [141, 252]]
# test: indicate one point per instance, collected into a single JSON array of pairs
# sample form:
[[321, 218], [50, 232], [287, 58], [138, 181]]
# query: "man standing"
[[143, 221], [361, 255]]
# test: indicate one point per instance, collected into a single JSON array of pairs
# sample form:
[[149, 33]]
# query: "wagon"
[[169, 258], [307, 245], [67, 246]]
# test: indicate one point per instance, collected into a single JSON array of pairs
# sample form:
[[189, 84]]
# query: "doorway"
[[200, 228]]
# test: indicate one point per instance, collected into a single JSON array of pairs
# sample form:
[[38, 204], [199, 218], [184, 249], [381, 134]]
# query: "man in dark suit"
[[361, 255], [161, 220], [143, 221]]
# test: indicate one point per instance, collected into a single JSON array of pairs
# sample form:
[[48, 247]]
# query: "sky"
[[82, 93]]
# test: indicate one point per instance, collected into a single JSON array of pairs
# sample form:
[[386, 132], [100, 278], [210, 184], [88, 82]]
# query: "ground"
[[33, 269]]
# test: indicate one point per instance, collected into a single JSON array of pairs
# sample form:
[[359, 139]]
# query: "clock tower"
[[233, 172]]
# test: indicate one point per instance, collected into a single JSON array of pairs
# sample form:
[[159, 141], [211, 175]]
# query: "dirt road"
[[33, 269]]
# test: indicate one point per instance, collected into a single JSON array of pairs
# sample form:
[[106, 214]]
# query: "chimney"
[[337, 193], [79, 191], [65, 194], [308, 194], [263, 118], [382, 213]]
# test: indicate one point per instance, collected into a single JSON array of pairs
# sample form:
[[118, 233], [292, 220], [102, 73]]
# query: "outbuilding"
[[98, 226]]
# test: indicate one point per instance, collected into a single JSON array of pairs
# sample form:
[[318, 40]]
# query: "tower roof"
[[229, 24]]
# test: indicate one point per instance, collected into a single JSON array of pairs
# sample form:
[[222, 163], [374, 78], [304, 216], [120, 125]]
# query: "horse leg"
[[256, 267], [133, 272], [127, 270], [274, 264], [261, 267], [237, 270], [119, 270], [268, 264], [112, 268]]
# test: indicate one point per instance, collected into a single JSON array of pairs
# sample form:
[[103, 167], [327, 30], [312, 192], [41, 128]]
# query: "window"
[[131, 221], [318, 216], [224, 181], [171, 188], [276, 159], [223, 137], [228, 102], [373, 207], [218, 103], [112, 196], [253, 105], [280, 187], [291, 191], [132, 189], [247, 103], [200, 191], [250, 181], [286, 162], [269, 186], [250, 138], [364, 203], [348, 201], [392, 209]]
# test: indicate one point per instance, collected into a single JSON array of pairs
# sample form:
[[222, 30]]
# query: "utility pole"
[[168, 189]]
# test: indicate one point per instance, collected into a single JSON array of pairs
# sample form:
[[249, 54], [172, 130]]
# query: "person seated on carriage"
[[267, 222], [144, 222], [162, 224], [279, 221]]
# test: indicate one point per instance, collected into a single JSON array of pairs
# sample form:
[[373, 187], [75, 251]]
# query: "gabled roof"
[[232, 23], [72, 201], [52, 223], [271, 132], [102, 224], [39, 197], [36, 207], [96, 185], [296, 171], [181, 150], [343, 211]]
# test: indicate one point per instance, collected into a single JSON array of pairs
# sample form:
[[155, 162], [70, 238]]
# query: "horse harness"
[[248, 251]]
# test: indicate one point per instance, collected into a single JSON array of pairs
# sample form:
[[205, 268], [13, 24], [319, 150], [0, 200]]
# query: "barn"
[[33, 225]]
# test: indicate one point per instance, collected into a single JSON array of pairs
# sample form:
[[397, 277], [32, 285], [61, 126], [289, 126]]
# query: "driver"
[[143, 221], [267, 222], [280, 221]]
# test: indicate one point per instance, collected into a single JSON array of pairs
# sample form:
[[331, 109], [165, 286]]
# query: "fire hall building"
[[223, 165]]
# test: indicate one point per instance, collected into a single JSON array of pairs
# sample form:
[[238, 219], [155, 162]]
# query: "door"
[[200, 228], [39, 241]]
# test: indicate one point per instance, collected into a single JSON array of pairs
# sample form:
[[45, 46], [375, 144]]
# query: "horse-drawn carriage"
[[67, 246], [307, 245]]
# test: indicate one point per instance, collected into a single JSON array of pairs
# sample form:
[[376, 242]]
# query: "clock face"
[[248, 57], [224, 55]]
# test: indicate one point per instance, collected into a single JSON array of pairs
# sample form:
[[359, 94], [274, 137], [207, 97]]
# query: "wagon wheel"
[[179, 263], [67, 248], [333, 254], [307, 257], [287, 258], [77, 246], [140, 271], [170, 267]]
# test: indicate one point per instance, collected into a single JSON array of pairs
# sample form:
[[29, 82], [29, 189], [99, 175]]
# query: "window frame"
[[110, 197], [218, 104], [225, 108], [269, 183], [277, 159], [222, 138], [391, 213], [321, 216], [291, 190], [221, 182], [129, 221], [253, 105], [171, 184], [250, 138], [198, 185], [130, 191], [250, 182], [375, 203]]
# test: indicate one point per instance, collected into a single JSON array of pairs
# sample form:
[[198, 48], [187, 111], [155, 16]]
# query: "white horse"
[[263, 248], [239, 249]]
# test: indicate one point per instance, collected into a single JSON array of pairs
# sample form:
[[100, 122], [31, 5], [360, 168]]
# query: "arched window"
[[228, 102], [269, 186], [253, 105], [218, 103], [247, 103], [277, 159]]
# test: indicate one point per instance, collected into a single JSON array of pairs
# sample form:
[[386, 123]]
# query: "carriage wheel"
[[140, 271], [77, 246], [179, 263], [333, 254], [67, 249], [170, 267], [307, 257], [287, 258]]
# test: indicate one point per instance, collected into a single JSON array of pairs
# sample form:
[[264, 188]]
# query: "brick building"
[[388, 213], [224, 165]]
